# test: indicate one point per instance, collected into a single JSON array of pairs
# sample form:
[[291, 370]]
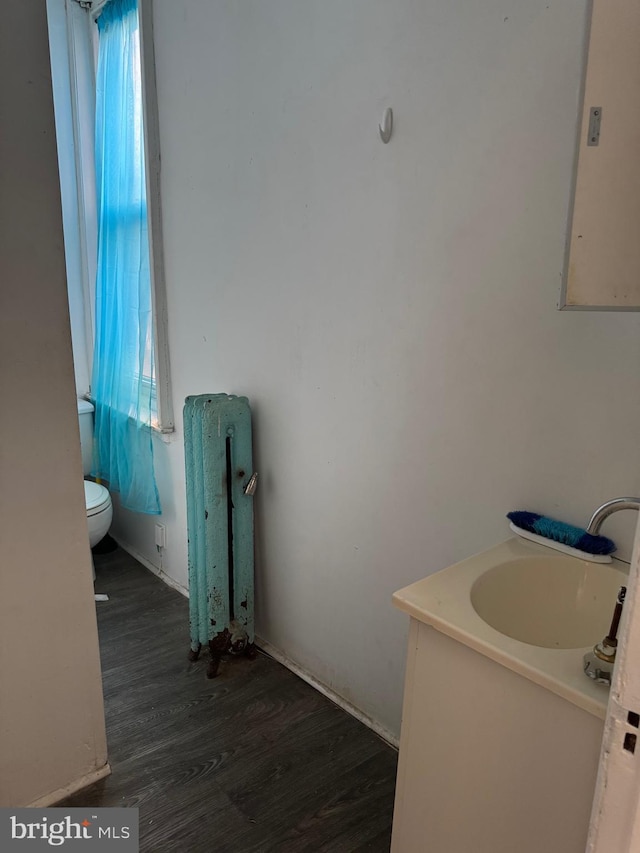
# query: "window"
[[73, 40]]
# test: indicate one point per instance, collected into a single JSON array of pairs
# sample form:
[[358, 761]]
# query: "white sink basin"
[[554, 602], [529, 609]]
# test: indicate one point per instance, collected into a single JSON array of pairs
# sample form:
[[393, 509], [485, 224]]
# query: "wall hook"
[[387, 125]]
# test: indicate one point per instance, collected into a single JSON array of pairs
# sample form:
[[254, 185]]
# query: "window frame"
[[164, 404]]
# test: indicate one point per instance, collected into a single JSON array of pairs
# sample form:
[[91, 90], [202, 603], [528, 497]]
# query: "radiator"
[[220, 487]]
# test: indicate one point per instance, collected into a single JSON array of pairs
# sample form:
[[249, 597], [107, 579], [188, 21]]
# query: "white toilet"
[[97, 498]]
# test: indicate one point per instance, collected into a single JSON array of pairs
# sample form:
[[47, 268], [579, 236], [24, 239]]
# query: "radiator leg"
[[194, 654], [212, 666], [238, 640], [217, 647]]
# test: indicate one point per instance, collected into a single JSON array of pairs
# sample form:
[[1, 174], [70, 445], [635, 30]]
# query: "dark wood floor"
[[254, 760]]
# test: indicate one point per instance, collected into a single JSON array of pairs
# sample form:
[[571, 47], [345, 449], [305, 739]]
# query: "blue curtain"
[[123, 378]]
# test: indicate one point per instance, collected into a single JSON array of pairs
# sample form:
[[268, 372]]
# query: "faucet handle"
[[599, 663]]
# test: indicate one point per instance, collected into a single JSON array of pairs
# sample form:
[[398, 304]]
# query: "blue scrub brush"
[[563, 537]]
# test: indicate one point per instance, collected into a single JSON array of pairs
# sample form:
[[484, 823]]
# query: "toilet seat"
[[97, 498]]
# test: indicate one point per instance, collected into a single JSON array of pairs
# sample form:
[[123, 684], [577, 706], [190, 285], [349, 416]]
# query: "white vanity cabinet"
[[500, 739]]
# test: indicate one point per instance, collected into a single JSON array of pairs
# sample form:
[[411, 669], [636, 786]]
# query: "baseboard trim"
[[338, 700], [73, 788], [277, 655], [159, 573]]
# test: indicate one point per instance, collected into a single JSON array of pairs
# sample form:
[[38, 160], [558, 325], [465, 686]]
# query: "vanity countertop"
[[443, 601]]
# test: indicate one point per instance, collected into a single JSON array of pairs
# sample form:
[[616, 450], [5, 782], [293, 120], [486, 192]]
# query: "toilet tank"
[[85, 417]]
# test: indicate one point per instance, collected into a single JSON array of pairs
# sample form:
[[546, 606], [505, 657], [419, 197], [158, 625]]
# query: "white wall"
[[389, 310], [52, 736]]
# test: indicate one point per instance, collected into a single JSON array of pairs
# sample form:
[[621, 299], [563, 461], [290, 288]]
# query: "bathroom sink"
[[527, 608], [554, 602]]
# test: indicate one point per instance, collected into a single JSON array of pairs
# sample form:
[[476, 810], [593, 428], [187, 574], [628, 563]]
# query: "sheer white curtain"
[[123, 369]]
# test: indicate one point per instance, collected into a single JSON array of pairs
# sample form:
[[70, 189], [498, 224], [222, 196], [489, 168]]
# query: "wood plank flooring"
[[253, 761]]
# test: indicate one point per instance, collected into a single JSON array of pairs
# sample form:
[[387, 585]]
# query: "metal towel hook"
[[385, 129]]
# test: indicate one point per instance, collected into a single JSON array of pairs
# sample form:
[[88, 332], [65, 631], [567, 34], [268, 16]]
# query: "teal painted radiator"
[[220, 486]]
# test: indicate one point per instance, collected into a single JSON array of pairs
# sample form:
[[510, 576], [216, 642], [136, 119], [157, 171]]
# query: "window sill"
[[165, 432]]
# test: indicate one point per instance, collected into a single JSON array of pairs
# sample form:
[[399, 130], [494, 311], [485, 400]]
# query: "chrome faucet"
[[607, 509]]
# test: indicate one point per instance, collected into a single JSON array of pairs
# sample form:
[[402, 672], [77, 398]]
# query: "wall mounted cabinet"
[[603, 253]]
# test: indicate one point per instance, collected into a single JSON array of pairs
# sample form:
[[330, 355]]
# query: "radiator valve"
[[252, 485]]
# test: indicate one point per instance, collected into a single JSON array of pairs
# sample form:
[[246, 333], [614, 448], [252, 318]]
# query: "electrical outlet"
[[161, 536]]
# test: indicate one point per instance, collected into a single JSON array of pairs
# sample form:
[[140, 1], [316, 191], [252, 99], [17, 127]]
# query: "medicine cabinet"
[[602, 269]]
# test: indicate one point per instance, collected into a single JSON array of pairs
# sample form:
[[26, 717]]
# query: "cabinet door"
[[490, 762], [603, 264]]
